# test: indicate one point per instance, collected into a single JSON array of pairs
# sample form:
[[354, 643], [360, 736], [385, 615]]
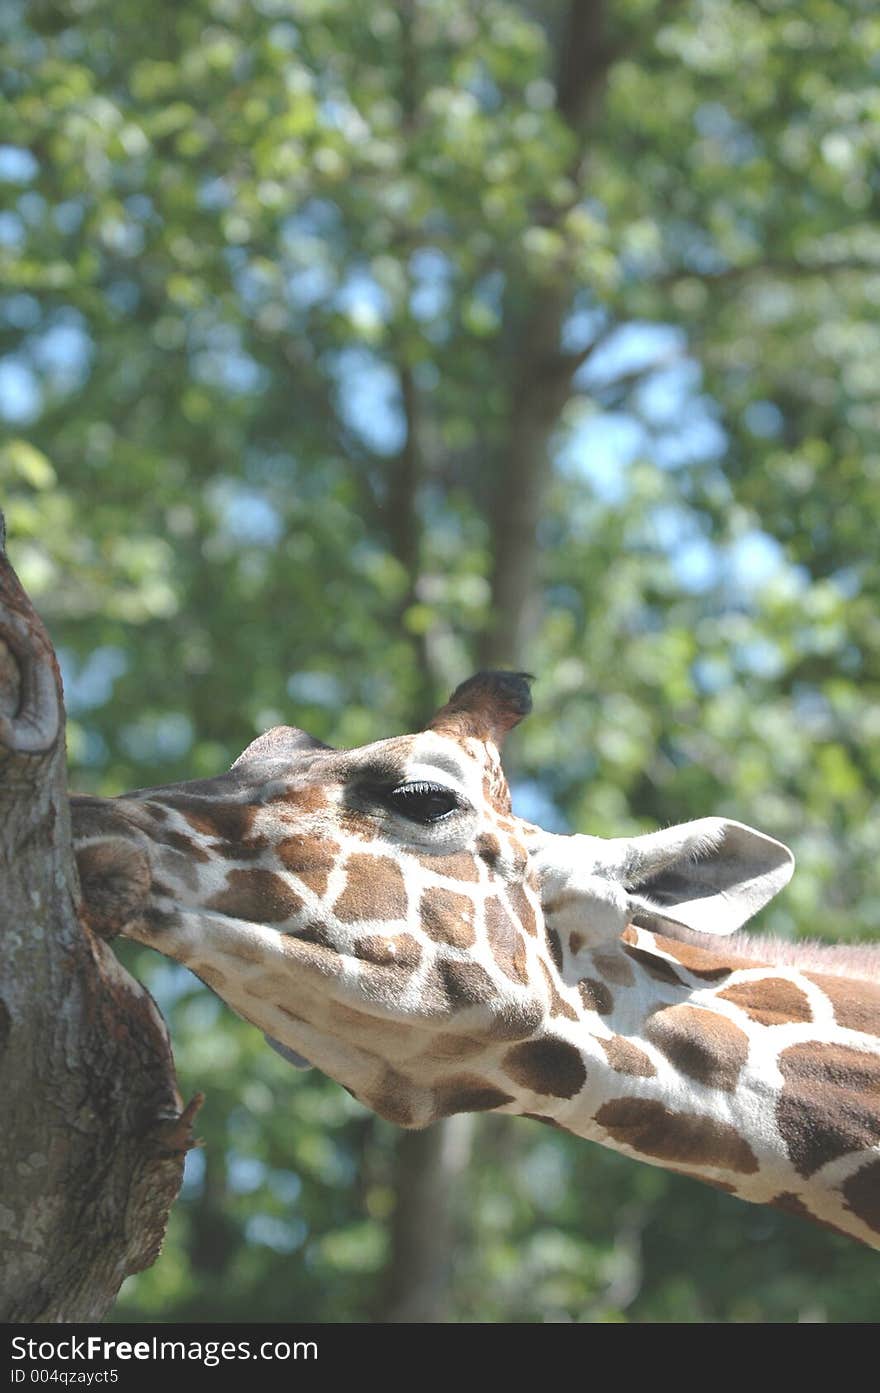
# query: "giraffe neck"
[[434, 978], [762, 1079]]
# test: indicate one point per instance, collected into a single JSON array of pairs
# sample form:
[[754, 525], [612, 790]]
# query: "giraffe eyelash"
[[421, 801]]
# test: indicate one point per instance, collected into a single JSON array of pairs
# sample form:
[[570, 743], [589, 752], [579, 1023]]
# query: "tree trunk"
[[427, 1168], [93, 1137], [538, 393], [428, 1164]]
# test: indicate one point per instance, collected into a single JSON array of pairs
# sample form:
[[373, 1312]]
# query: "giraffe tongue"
[[297, 1060]]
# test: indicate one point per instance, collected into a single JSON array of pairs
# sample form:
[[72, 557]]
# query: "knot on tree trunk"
[[172, 1136]]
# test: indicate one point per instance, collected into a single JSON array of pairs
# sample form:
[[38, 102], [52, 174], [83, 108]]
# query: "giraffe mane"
[[860, 960]]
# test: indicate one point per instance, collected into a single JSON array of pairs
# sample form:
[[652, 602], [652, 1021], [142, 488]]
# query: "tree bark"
[[540, 382], [429, 1164], [540, 390], [427, 1168], [426, 1164], [93, 1136]]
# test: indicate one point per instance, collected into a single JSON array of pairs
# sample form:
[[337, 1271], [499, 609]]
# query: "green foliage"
[[233, 233]]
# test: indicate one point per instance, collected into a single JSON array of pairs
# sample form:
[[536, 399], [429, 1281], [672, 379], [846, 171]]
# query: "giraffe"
[[381, 914]]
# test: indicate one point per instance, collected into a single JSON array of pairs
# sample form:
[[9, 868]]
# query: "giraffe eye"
[[422, 802]]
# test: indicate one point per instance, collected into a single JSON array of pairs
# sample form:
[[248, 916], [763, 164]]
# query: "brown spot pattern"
[[227, 822], [519, 857], [286, 1011], [315, 932], [830, 1104], [856, 1003], [705, 1046], [656, 967], [626, 1058], [769, 1001], [212, 976], [488, 848], [393, 1100], [522, 909], [458, 985], [447, 917], [614, 968], [259, 896], [301, 800], [400, 949], [862, 1194], [515, 1020], [558, 902], [548, 1122], [312, 949], [247, 950], [554, 948], [495, 790], [457, 866], [683, 1138], [505, 941], [467, 1094], [449, 1046], [793, 1204], [179, 841], [358, 1020], [374, 889], [311, 859], [240, 851], [698, 961], [549, 1067], [558, 1005], [596, 996]]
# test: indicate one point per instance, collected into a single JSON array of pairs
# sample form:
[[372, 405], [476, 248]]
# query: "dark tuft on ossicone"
[[486, 706], [513, 689]]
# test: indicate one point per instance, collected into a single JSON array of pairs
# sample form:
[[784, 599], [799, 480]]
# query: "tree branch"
[[779, 266], [93, 1139]]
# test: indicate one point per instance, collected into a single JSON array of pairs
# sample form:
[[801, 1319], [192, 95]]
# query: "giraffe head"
[[380, 913], [373, 910]]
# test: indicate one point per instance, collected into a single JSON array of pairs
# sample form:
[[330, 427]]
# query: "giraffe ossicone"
[[380, 913]]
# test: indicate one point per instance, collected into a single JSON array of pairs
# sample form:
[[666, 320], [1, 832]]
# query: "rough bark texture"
[[93, 1138], [541, 380], [423, 1229], [427, 1168], [538, 394]]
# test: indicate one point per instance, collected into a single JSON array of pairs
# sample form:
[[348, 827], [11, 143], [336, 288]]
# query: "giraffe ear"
[[486, 706], [711, 875], [282, 742]]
